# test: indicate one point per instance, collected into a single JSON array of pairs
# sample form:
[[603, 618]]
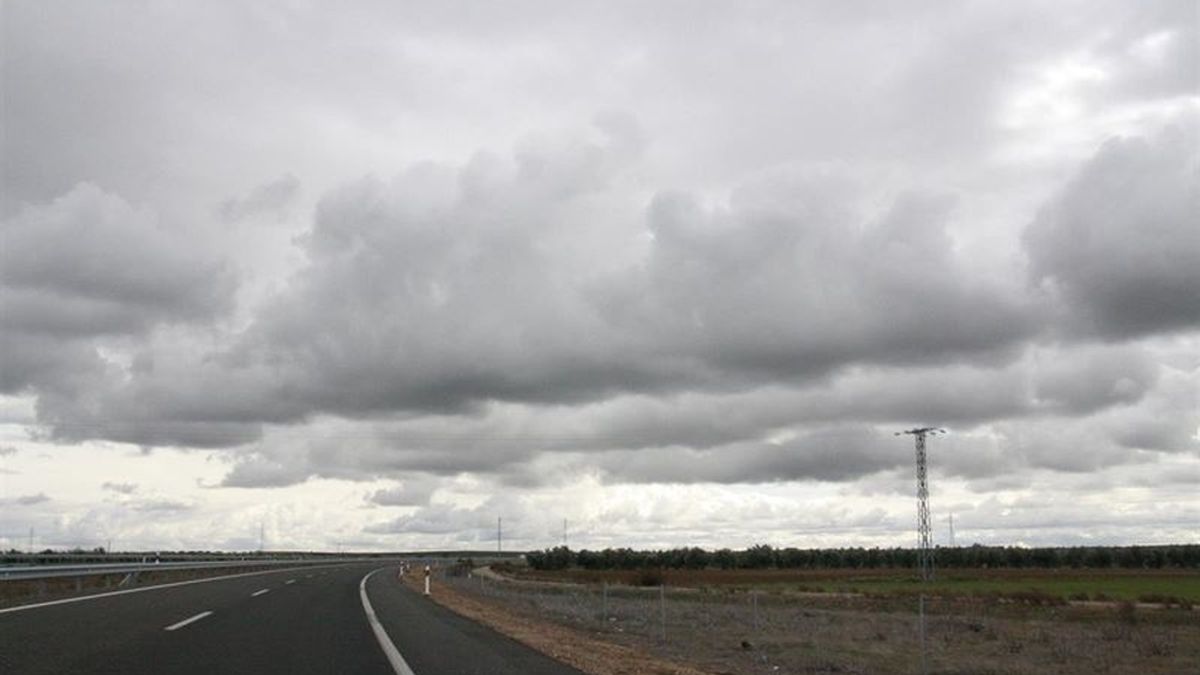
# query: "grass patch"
[[1048, 586], [1167, 589]]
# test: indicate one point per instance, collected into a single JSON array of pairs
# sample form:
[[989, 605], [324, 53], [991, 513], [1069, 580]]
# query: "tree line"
[[763, 556]]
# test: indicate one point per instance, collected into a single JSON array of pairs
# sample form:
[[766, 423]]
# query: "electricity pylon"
[[924, 533]]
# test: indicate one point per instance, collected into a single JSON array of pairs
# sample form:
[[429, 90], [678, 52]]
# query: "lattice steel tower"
[[924, 531]]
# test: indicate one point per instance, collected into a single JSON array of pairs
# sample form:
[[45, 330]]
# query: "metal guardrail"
[[22, 572]]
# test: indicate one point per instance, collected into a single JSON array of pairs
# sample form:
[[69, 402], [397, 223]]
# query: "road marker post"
[[427, 580]]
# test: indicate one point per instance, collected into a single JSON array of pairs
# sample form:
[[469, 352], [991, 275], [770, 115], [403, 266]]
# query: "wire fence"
[[752, 631]]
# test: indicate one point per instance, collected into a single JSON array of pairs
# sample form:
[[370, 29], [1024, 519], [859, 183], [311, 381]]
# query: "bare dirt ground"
[[740, 632], [567, 644]]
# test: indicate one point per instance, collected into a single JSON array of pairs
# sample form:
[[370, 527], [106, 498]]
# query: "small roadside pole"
[[924, 646], [427, 580], [662, 610]]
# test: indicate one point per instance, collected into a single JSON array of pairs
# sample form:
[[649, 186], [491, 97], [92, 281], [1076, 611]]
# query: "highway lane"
[[315, 622], [286, 621]]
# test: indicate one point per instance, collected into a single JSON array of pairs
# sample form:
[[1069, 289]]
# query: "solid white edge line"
[[194, 619], [259, 592], [173, 584], [385, 642]]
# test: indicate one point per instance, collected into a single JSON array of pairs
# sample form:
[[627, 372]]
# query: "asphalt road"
[[287, 621]]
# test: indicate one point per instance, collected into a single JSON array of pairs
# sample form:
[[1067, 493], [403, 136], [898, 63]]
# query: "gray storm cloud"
[[1120, 244], [120, 488], [85, 272], [443, 290], [272, 199], [90, 264], [449, 291], [754, 278]]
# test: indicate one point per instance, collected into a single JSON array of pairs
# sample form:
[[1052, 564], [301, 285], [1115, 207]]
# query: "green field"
[[1144, 585], [1089, 587]]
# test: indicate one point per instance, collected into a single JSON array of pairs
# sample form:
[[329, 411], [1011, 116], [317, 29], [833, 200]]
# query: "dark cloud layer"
[[443, 290], [449, 290], [272, 199], [752, 279], [119, 488], [1121, 244], [89, 267]]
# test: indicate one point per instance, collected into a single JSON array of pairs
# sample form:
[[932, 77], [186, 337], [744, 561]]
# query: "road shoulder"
[[572, 647]]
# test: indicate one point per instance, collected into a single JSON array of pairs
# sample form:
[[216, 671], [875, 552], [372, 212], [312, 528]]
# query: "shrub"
[[1036, 597], [649, 576], [1127, 612], [1165, 600]]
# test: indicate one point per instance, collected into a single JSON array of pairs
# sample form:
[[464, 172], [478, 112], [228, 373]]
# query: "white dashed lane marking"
[[193, 619]]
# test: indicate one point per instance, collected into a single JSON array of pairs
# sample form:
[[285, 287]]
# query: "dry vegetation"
[[574, 647], [720, 625], [1170, 586]]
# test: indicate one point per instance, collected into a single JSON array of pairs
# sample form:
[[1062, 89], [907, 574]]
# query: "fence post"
[[924, 654], [662, 610], [604, 602], [754, 601]]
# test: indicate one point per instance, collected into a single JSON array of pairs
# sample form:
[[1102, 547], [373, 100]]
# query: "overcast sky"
[[372, 276]]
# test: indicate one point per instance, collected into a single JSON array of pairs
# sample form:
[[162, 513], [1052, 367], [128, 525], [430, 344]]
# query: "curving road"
[[286, 621]]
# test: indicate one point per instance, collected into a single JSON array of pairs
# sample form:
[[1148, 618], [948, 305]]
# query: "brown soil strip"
[[570, 646]]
